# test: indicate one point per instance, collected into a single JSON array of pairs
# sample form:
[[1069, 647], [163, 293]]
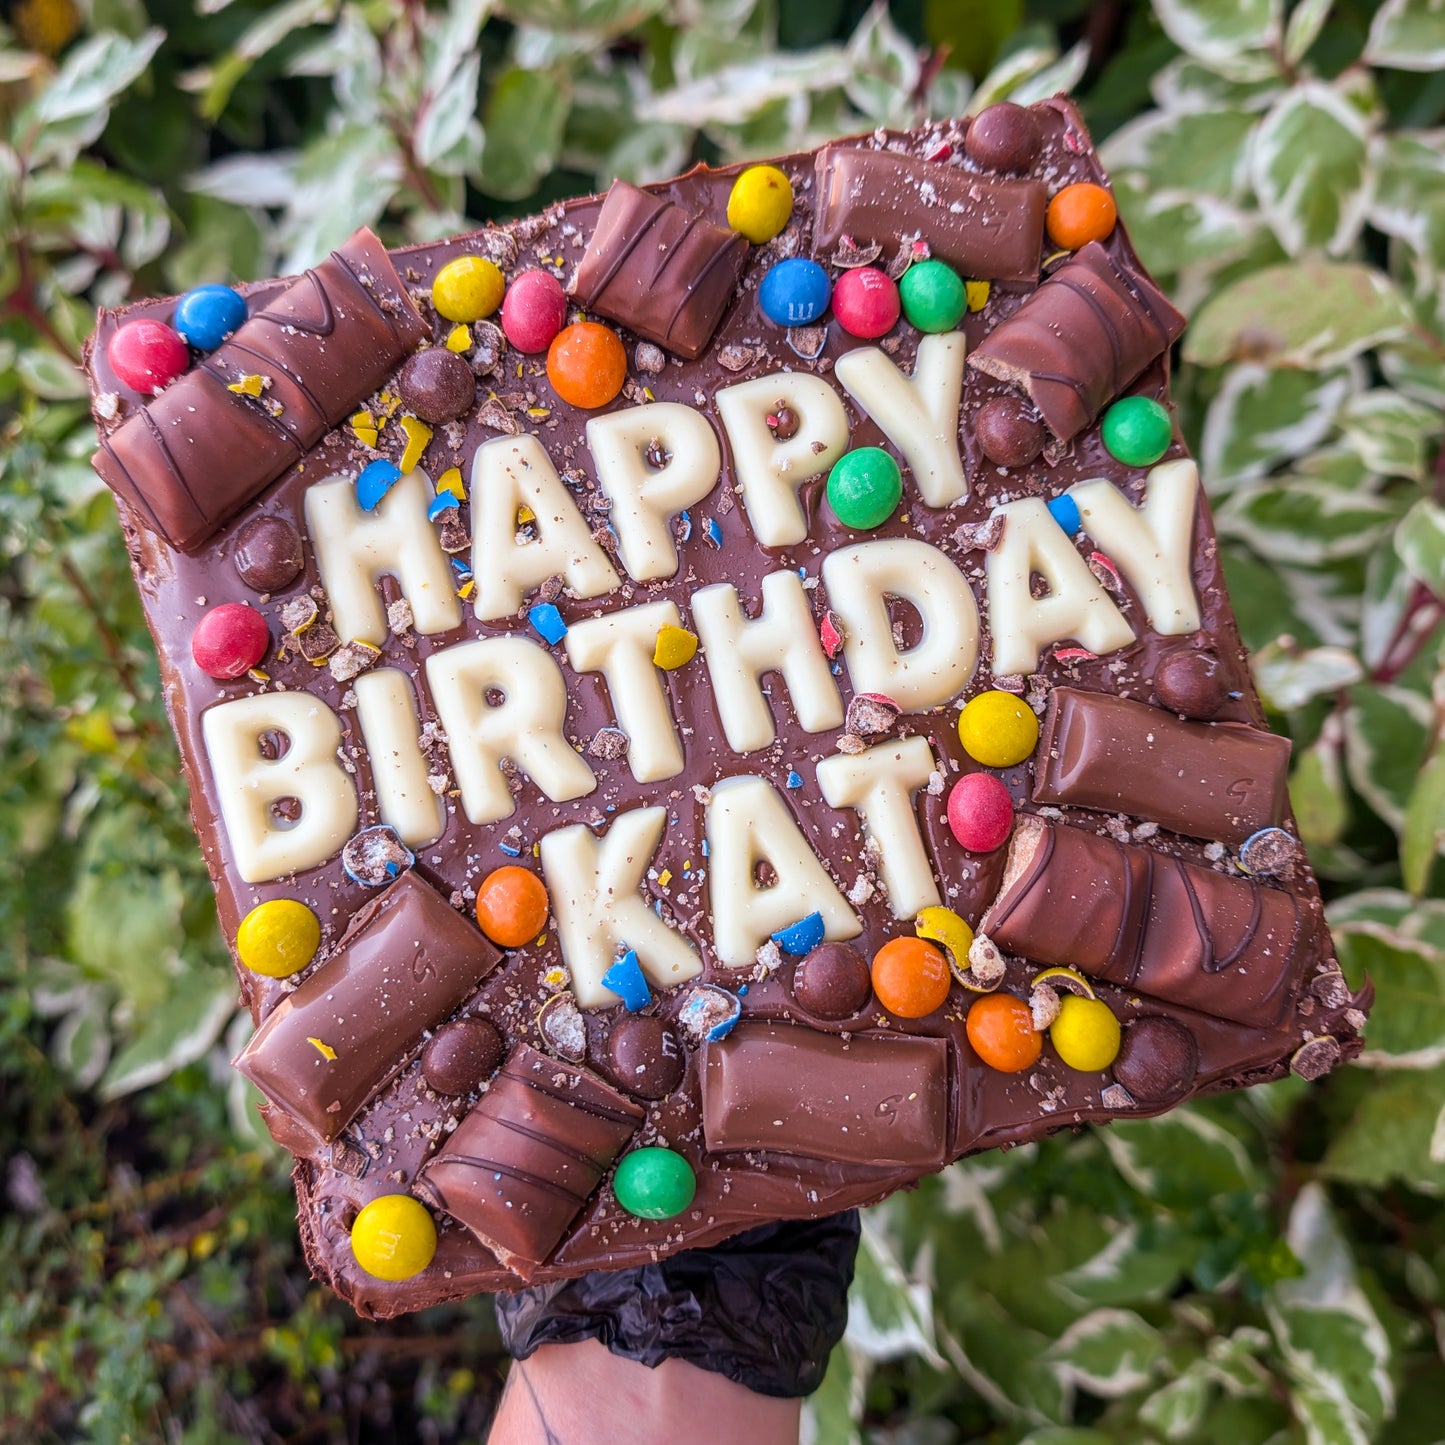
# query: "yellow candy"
[[418, 434], [1085, 1034], [977, 294], [760, 203], [675, 646], [451, 481], [998, 730], [394, 1237], [468, 289], [459, 339], [945, 927], [248, 386], [278, 938]]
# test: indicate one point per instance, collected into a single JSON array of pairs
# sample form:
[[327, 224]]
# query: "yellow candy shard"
[[362, 418], [556, 978], [451, 481], [524, 515], [665, 877], [247, 386], [1067, 978], [465, 590], [459, 339], [388, 403], [944, 927], [366, 435], [977, 293], [538, 413], [325, 1050], [418, 434], [676, 647], [257, 674]]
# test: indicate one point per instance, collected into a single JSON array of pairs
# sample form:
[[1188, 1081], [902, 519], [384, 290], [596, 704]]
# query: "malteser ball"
[[437, 385], [1009, 432], [1157, 1060], [645, 1056], [461, 1055], [1191, 681], [1003, 137], [268, 554], [833, 981]]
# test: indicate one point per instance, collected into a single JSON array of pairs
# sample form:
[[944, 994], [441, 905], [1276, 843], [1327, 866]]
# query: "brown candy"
[[268, 554], [1009, 431], [645, 1057], [1003, 137], [437, 385], [832, 982], [461, 1055], [1191, 681], [1157, 1060]]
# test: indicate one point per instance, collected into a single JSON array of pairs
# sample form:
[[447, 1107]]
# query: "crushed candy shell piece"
[[441, 504], [625, 979], [418, 434], [709, 1014], [1313, 1060], [547, 621], [676, 647], [563, 1029], [250, 385], [376, 856], [1269, 853], [712, 532], [376, 480], [1065, 511], [795, 780], [952, 933], [977, 293], [986, 963], [451, 481], [608, 743], [830, 634], [459, 338], [871, 714], [801, 937], [325, 1050]]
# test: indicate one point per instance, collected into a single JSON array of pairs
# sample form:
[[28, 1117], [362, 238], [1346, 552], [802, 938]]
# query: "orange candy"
[[586, 364], [1001, 1030], [1079, 214], [512, 906], [910, 977]]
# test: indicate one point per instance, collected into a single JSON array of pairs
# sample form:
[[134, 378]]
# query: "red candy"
[[865, 301], [147, 355], [229, 640], [533, 310], [980, 812]]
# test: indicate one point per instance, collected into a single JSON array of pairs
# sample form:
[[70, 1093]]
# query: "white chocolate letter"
[[386, 711], [525, 726], [1075, 607], [508, 474], [861, 579], [248, 784], [620, 646], [595, 887], [879, 784], [356, 549], [919, 415], [1151, 545], [747, 824], [782, 639], [768, 471], [645, 498]]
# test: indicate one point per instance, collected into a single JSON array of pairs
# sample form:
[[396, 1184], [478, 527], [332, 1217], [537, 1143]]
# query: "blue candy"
[[443, 502], [795, 780], [548, 621], [795, 292], [376, 480], [801, 937], [206, 316], [625, 979], [1065, 511]]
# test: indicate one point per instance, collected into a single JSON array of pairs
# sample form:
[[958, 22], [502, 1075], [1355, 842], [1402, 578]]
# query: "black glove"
[[764, 1308]]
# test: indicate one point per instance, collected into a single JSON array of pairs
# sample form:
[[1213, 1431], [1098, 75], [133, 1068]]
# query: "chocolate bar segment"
[[1080, 339], [867, 1100], [1208, 780], [1223, 945], [199, 452], [988, 230], [521, 1165], [660, 270], [407, 962]]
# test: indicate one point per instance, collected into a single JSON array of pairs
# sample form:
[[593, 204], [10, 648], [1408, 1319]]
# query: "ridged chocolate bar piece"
[[988, 230], [1089, 331], [865, 1100], [198, 453], [660, 270], [1224, 945], [1208, 780], [407, 962], [521, 1165]]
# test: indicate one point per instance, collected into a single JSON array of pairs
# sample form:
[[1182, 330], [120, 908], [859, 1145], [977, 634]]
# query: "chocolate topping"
[[1191, 680], [833, 981], [1009, 432], [461, 1055], [437, 385], [1157, 1060], [268, 554], [645, 1057], [1003, 137]]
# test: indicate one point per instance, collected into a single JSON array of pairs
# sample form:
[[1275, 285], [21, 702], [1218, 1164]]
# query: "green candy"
[[654, 1183], [864, 487], [934, 296], [1137, 431]]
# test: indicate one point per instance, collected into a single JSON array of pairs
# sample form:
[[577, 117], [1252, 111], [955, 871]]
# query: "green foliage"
[[1264, 1269]]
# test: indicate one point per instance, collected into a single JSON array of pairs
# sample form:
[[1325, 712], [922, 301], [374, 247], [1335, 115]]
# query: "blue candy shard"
[[207, 315], [712, 532], [462, 568], [442, 503], [684, 526], [375, 856], [801, 937], [510, 850], [376, 480], [709, 1003], [547, 621], [625, 979], [1065, 511], [795, 780]]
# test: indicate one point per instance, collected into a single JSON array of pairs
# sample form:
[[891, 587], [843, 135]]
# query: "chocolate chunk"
[[1270, 853], [988, 230], [868, 1100], [461, 1055], [1009, 431], [268, 554], [645, 1057], [833, 981], [1003, 137], [1143, 920], [663, 271], [1191, 680], [1313, 1060], [405, 964], [375, 856], [437, 385], [1207, 780], [1080, 339], [521, 1165], [1157, 1060]]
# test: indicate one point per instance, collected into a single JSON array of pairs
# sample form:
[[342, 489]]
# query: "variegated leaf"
[[1407, 35]]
